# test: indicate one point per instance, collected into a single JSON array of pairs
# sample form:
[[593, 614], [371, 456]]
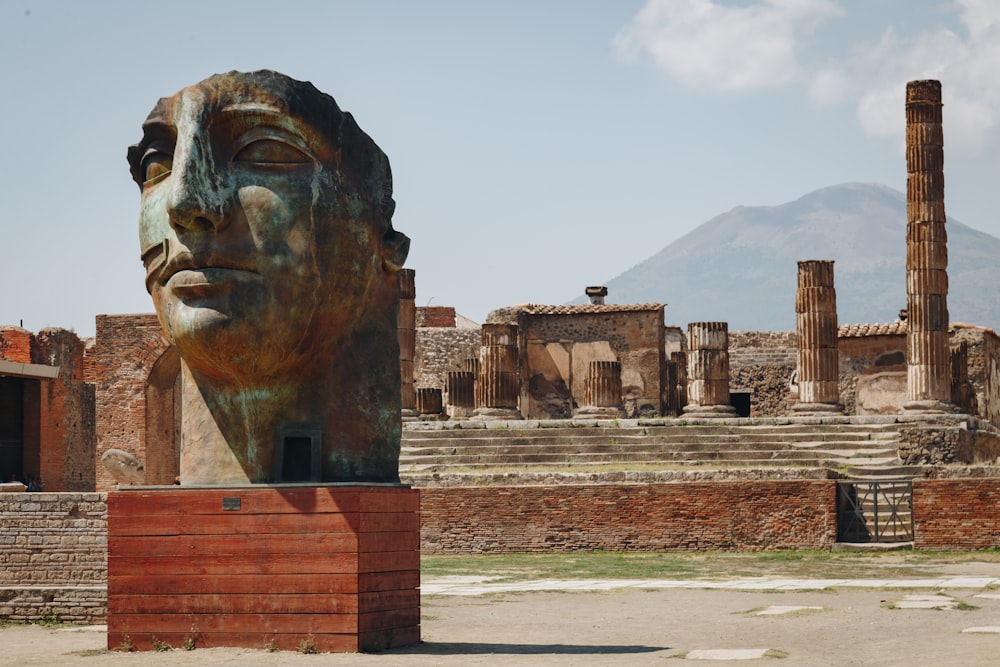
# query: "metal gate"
[[875, 511]]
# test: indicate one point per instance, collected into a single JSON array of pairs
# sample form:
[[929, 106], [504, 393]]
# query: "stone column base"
[[930, 407], [492, 414], [710, 411], [593, 412], [331, 567], [809, 409], [459, 411]]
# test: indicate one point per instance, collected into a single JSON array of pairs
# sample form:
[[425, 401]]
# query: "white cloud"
[[967, 64], [705, 44]]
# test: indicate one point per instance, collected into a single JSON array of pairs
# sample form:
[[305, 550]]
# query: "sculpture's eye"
[[155, 167], [271, 153]]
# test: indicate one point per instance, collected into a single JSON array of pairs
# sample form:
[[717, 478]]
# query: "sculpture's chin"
[[234, 350]]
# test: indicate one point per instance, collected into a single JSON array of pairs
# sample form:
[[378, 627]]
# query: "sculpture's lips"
[[207, 277], [185, 273]]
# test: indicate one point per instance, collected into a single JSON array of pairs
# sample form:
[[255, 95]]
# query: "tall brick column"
[[407, 326], [602, 390], [708, 370], [816, 325], [928, 359], [497, 388]]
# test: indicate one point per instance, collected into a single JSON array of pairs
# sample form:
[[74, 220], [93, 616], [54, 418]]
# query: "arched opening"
[[163, 419]]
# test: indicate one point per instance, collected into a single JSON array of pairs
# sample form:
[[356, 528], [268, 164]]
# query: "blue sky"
[[537, 147]]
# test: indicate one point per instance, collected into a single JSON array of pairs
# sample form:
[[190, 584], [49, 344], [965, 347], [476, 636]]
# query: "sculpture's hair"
[[364, 168]]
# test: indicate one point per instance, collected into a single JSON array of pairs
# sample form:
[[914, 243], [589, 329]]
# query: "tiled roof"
[[587, 308], [859, 330]]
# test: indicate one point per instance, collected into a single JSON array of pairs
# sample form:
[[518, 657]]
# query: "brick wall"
[[15, 344], [745, 515], [119, 363], [53, 560], [67, 415], [435, 316], [57, 419], [957, 513]]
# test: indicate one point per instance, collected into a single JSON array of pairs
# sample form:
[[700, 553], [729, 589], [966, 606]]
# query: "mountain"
[[741, 266]]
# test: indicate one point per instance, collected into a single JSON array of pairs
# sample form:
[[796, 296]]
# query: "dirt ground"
[[620, 628]]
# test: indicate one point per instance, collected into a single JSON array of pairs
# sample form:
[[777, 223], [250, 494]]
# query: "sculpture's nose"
[[196, 200]]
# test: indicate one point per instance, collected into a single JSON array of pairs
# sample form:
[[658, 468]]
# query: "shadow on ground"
[[477, 648]]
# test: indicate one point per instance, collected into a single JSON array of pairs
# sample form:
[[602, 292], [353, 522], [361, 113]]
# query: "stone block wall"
[[983, 366], [443, 349], [53, 559], [745, 515], [557, 343], [762, 363]]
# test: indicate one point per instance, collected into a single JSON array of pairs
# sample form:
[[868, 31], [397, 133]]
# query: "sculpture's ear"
[[395, 248]]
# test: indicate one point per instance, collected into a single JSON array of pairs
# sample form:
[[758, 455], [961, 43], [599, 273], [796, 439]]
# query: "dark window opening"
[[11, 429], [296, 463], [741, 401]]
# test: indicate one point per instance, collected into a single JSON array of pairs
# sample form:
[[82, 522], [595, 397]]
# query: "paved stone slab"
[[727, 654], [926, 602], [779, 609], [987, 596], [486, 585], [983, 630]]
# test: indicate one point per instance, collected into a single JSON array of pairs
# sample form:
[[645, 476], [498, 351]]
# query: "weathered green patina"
[[266, 233]]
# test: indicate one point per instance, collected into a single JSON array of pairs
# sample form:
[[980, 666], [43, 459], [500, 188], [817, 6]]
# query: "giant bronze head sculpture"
[[266, 233]]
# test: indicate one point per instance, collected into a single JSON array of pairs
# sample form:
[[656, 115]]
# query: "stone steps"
[[850, 448]]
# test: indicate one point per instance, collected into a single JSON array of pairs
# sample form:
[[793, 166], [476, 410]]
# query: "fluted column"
[[602, 393], [708, 370], [406, 325], [928, 359], [679, 361], [497, 389], [461, 389], [816, 325], [429, 402]]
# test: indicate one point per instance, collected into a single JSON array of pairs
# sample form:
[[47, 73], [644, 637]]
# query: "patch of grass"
[[159, 646], [271, 646], [712, 565], [308, 645], [126, 645], [964, 606], [90, 652], [48, 620], [775, 653]]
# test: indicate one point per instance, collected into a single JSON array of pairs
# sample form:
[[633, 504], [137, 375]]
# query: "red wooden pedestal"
[[271, 566]]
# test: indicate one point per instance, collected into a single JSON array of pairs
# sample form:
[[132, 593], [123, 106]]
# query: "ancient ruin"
[[816, 326], [708, 370], [928, 384], [548, 428]]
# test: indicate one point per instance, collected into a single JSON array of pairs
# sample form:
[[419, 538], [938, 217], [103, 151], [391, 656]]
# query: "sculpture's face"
[[247, 234]]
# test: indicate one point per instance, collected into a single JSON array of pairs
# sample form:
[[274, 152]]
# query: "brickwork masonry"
[[53, 562]]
